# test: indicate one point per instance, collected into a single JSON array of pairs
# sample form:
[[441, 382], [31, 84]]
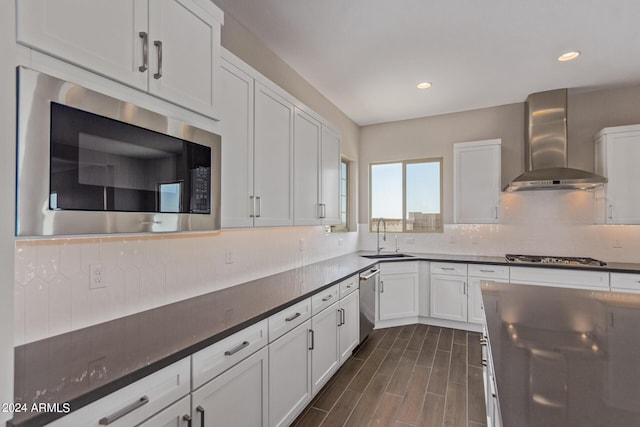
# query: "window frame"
[[404, 163]]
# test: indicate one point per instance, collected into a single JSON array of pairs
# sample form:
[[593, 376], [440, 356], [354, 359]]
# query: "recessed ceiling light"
[[424, 85], [568, 56]]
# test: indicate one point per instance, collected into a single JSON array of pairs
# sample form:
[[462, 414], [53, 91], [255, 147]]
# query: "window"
[[407, 194], [344, 199]]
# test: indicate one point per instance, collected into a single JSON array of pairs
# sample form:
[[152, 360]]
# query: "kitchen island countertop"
[[564, 357]]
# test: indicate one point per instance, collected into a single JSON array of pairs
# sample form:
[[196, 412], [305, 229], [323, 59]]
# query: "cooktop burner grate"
[[544, 259]]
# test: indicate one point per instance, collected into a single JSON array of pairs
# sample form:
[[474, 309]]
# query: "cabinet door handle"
[[312, 336], [483, 354], [496, 212], [610, 211], [236, 349], [290, 318], [158, 45], [327, 298], [188, 419], [382, 286], [105, 421], [464, 288], [323, 210], [201, 410], [259, 210], [145, 51], [252, 207], [344, 316]]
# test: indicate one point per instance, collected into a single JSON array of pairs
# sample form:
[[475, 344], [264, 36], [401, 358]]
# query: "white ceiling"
[[367, 56]]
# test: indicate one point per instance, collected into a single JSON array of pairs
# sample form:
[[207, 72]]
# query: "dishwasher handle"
[[371, 274]]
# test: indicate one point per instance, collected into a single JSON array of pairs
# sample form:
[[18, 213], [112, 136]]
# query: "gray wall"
[[588, 112], [7, 219]]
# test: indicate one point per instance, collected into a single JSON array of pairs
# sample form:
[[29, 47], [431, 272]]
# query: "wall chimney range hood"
[[545, 148]]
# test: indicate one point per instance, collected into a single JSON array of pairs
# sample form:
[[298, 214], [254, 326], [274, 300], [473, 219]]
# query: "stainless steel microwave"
[[88, 163]]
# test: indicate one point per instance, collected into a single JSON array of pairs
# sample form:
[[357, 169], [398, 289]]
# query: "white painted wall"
[[7, 178]]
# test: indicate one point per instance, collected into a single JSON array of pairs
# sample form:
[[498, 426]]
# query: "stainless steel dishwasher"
[[368, 280]]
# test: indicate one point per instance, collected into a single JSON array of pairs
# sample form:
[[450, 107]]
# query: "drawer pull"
[[447, 268], [201, 410], [236, 349], [488, 271], [327, 298], [124, 411], [290, 318]]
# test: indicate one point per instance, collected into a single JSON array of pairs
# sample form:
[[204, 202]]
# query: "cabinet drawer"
[[625, 282], [349, 285], [324, 299], [399, 267], [138, 401], [217, 358], [489, 271], [452, 268], [287, 319], [559, 277]]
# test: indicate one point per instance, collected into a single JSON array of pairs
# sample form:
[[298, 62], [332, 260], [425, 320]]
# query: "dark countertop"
[[82, 366], [564, 357]]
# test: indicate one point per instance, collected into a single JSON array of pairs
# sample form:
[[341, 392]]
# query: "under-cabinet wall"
[[52, 293]]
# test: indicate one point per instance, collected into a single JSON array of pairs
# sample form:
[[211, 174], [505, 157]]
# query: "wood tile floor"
[[414, 375]]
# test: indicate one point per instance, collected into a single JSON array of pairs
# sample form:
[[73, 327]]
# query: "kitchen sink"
[[383, 256]]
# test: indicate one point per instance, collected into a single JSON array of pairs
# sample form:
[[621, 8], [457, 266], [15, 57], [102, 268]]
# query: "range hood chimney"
[[545, 147]]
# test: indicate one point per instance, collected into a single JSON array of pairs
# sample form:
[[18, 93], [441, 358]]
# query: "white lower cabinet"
[[581, 279], [478, 273], [289, 375], [398, 290], [449, 297], [238, 397], [176, 415], [136, 402], [324, 346], [349, 325]]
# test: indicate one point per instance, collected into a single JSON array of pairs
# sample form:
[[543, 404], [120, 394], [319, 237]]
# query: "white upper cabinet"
[[307, 134], [184, 51], [476, 172], [237, 147], [169, 47], [273, 139], [617, 154], [330, 177]]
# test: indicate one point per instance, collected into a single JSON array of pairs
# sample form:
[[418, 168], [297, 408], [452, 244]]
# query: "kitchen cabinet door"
[[398, 296], [176, 415], [617, 151], [306, 164], [349, 329], [237, 147], [475, 313], [185, 67], [324, 344], [289, 376], [330, 173], [273, 158], [449, 297], [476, 172], [237, 397], [101, 36]]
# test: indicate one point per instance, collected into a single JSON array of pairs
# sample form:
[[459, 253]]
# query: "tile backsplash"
[[559, 222], [53, 293]]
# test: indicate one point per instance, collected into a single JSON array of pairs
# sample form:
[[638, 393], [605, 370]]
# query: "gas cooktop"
[[544, 259]]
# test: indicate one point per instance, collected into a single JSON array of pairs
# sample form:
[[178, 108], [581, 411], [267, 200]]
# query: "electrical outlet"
[[98, 278], [617, 244], [411, 241], [452, 239], [228, 256], [301, 245], [339, 242]]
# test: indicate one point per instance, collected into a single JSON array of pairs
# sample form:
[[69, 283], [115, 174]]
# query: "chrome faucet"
[[384, 236]]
